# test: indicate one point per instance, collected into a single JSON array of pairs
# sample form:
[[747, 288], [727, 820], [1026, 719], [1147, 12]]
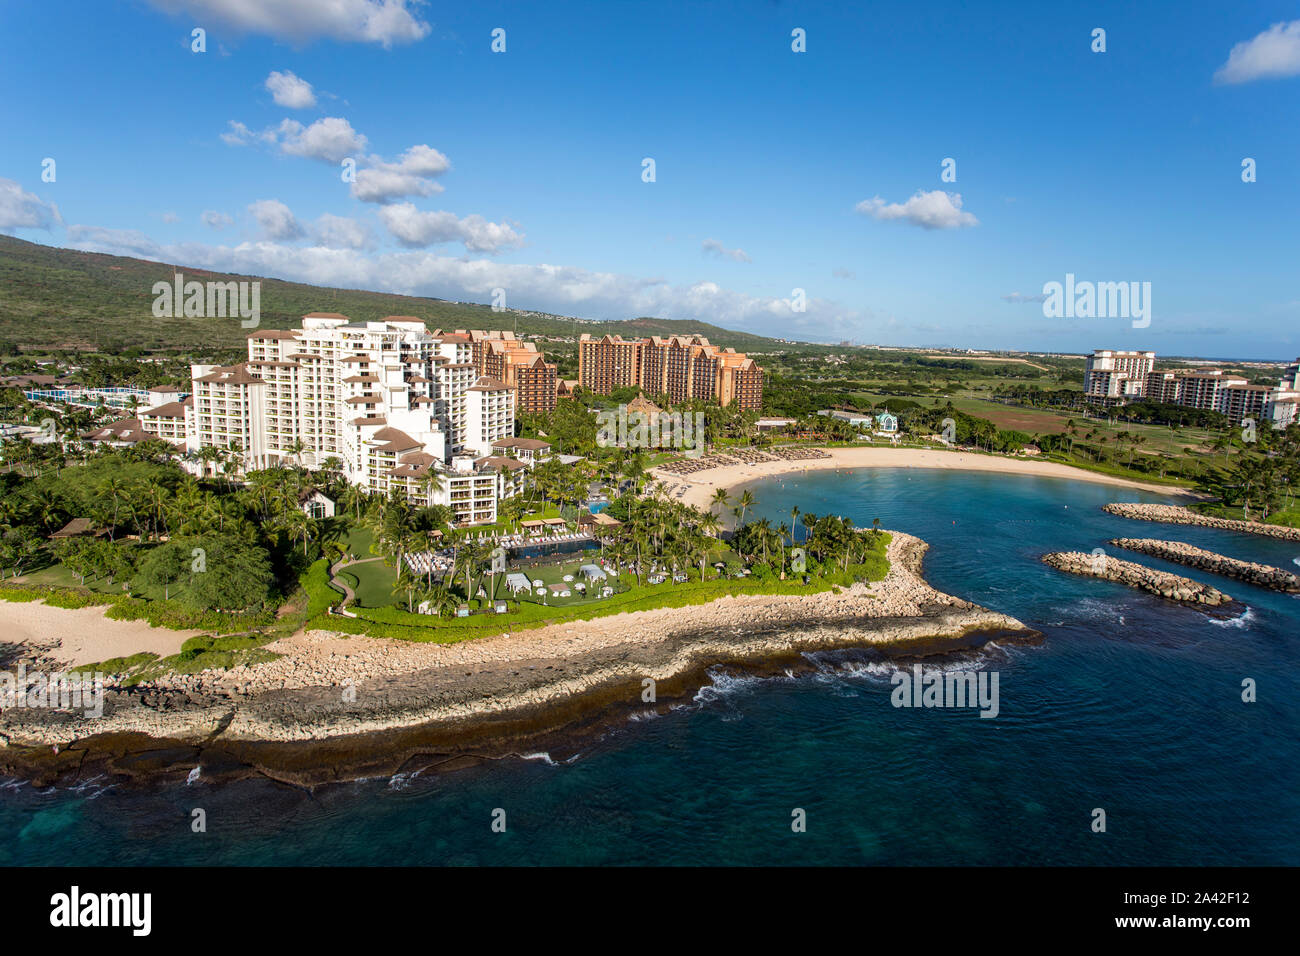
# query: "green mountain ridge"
[[53, 298]]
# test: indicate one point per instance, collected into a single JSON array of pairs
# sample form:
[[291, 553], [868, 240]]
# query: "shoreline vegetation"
[[328, 694]]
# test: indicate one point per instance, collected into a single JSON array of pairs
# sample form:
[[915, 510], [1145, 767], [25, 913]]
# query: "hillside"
[[54, 298]]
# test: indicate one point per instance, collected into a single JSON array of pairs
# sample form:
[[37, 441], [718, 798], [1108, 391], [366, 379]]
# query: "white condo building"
[[1122, 376], [1117, 374], [396, 405], [1282, 407]]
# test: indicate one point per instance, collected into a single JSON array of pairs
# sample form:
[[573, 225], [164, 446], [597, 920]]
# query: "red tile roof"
[[168, 410], [231, 375]]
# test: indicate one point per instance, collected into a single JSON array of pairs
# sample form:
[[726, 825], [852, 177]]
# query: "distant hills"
[[53, 298]]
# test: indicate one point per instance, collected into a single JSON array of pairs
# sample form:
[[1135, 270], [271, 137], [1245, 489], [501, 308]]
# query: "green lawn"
[[373, 582], [1280, 516], [393, 621], [358, 541], [1044, 421], [396, 623], [56, 575], [554, 574]]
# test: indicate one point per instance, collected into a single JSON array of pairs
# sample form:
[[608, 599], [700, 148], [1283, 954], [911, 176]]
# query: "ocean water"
[[1132, 705]]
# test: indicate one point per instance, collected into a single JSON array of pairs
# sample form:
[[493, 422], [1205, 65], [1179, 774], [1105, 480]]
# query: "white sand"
[[76, 636], [700, 485]]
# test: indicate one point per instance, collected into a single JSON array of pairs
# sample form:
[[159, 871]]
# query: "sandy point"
[[76, 636], [700, 486]]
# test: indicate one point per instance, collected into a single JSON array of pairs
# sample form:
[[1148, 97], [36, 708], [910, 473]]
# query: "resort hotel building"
[[683, 367], [1113, 377], [389, 404], [1112, 374]]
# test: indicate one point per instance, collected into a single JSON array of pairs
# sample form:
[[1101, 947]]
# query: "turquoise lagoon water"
[[1131, 704]]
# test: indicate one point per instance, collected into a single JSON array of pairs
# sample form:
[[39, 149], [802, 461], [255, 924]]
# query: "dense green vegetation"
[[197, 552]]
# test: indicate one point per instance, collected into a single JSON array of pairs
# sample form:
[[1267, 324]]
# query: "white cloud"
[[929, 210], [276, 220], [290, 91], [383, 182], [384, 185], [237, 135], [215, 220], [1272, 54], [564, 290], [339, 232], [416, 228], [330, 139], [715, 248], [386, 22], [20, 209], [117, 242], [170, 217]]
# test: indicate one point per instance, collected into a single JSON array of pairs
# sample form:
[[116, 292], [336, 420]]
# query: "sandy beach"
[[700, 486], [75, 636]]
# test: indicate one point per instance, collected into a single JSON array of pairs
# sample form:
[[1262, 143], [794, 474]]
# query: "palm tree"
[[1134, 441], [720, 497], [209, 455], [295, 449], [115, 490], [764, 535], [437, 596], [746, 502], [391, 524], [473, 554], [298, 526]]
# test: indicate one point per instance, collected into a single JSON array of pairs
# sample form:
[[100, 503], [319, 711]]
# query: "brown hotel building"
[[518, 364], [682, 367]]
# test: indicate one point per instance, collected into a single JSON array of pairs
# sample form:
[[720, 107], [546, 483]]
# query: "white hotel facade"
[[1115, 377], [396, 405]]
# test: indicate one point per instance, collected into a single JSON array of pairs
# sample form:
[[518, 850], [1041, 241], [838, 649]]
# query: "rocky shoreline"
[[1262, 575], [1176, 514], [1161, 583], [335, 706]]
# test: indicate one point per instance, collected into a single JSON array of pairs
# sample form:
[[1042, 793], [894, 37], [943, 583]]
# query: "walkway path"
[[348, 594]]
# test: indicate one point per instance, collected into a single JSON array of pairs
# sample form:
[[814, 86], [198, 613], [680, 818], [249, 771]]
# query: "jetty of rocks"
[[1175, 514], [1263, 575], [1166, 585]]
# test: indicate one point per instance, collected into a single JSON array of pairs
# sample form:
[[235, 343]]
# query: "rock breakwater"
[[1175, 514], [1262, 575], [1166, 585]]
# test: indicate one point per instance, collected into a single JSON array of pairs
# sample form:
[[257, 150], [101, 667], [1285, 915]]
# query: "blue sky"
[[775, 170]]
